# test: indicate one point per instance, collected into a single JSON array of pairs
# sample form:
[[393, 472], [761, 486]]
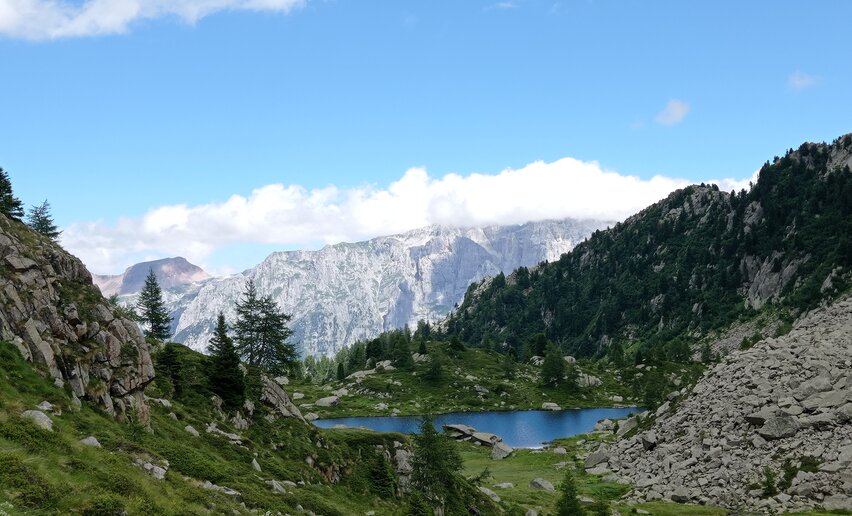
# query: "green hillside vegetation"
[[684, 266], [45, 472], [444, 380]]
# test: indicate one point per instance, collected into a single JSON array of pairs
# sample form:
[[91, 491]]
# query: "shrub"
[[28, 487], [107, 504]]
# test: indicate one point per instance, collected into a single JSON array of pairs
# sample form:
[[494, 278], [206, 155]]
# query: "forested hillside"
[[693, 262]]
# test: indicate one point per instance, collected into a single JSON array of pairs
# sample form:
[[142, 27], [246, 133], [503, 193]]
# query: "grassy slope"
[[407, 391], [52, 473]]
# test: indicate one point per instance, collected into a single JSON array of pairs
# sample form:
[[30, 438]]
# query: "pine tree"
[[39, 219], [224, 375], [10, 205], [341, 372], [421, 347], [152, 310], [569, 504]]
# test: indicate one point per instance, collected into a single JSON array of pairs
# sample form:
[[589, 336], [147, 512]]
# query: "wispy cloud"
[[674, 112], [800, 80], [293, 216], [501, 6], [52, 19]]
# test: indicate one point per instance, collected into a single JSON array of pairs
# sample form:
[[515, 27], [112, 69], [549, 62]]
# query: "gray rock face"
[[388, 282], [782, 400], [273, 395], [56, 317]]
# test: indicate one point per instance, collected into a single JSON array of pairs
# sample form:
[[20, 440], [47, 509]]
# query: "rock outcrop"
[[58, 319], [783, 406]]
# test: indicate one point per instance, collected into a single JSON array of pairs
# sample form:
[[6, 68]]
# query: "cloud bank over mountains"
[[293, 216]]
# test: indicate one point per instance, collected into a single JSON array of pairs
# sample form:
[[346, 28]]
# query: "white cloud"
[[290, 215], [51, 19], [674, 112], [800, 81]]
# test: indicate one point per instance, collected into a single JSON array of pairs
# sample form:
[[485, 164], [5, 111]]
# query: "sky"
[[223, 130]]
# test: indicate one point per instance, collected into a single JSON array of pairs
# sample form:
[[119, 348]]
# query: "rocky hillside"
[[348, 292], [51, 311], [692, 263], [769, 428], [172, 273]]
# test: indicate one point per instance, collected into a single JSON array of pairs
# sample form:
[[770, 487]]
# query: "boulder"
[[649, 440], [40, 419], [598, 457], [559, 450], [191, 430], [779, 428], [547, 405], [837, 502], [329, 401], [255, 466], [311, 416], [541, 484], [504, 485], [490, 494], [681, 495], [90, 441], [486, 438], [500, 451]]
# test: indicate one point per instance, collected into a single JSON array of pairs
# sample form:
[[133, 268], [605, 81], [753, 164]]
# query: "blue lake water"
[[518, 428]]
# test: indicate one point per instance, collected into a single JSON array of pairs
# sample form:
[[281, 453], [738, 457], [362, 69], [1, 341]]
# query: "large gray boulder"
[[541, 484], [40, 419], [329, 401], [779, 428], [500, 451]]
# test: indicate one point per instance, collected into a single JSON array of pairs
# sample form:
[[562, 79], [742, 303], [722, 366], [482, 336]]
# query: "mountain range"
[[345, 292]]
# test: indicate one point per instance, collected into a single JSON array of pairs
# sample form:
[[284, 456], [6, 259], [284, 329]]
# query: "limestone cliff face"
[[351, 291], [59, 320]]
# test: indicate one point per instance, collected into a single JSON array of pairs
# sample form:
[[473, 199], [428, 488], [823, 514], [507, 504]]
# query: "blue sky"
[[129, 115]]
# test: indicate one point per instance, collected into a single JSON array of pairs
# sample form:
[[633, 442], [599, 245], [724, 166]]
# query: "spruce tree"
[[152, 310], [39, 219], [569, 504], [169, 367], [262, 334], [224, 376], [553, 367], [436, 464], [10, 205], [341, 372]]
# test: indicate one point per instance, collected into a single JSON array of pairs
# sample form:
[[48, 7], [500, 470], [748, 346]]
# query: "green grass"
[[52, 473]]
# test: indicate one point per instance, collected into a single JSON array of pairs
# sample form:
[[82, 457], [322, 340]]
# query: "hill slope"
[[695, 261]]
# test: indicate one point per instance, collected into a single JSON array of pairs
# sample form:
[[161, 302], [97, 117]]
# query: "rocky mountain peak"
[[170, 273], [52, 312]]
